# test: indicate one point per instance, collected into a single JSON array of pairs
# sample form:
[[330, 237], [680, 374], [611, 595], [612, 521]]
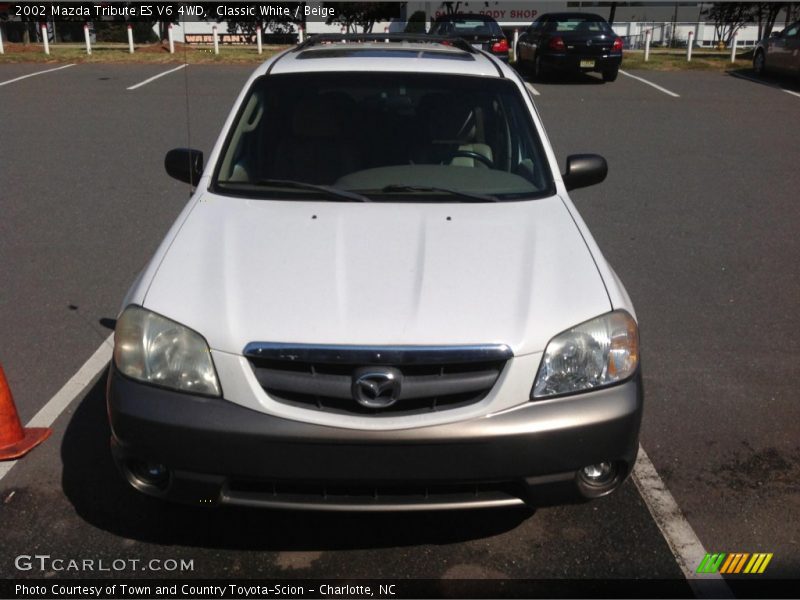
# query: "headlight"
[[599, 352], [153, 349]]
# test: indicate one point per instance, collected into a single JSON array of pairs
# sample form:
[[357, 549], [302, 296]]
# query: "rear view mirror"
[[584, 170], [184, 164]]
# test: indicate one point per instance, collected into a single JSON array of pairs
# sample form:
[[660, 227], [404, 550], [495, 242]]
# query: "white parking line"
[[2, 83], [650, 83], [768, 84], [681, 538], [533, 90], [67, 394], [154, 77]]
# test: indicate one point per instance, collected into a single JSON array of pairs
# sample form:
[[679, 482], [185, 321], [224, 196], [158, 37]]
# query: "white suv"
[[379, 297]]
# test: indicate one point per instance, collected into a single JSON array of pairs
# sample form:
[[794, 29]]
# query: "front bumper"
[[218, 452]]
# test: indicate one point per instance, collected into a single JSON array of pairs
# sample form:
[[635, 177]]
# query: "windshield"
[[386, 137]]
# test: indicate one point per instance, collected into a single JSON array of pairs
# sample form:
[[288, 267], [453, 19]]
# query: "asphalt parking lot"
[[699, 217]]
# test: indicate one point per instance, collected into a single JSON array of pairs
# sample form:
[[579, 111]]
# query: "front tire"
[[610, 75], [759, 63]]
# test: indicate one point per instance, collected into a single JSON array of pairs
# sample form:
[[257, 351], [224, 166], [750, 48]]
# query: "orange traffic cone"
[[15, 441]]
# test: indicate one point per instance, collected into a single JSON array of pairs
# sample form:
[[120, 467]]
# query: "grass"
[[661, 59], [675, 60], [144, 53]]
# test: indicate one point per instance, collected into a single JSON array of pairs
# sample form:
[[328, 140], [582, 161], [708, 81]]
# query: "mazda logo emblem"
[[376, 387], [588, 42]]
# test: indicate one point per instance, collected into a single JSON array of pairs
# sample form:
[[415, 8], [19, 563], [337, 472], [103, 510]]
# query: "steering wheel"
[[474, 155]]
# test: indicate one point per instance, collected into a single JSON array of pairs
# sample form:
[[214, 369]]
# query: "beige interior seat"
[[452, 125], [466, 161]]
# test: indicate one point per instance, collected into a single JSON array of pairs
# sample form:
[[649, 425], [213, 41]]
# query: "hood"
[[243, 271]]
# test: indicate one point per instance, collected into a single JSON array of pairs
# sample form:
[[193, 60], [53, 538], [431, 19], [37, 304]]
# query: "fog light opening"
[[598, 474], [148, 473], [599, 479]]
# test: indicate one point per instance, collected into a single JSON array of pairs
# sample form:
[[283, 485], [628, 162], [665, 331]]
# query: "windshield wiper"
[[466, 196], [324, 189]]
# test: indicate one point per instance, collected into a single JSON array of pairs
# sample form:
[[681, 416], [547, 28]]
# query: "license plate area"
[[587, 64]]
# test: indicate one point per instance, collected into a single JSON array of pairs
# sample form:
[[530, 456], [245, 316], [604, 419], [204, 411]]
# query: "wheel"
[[610, 74], [538, 68], [521, 65], [475, 156], [759, 62]]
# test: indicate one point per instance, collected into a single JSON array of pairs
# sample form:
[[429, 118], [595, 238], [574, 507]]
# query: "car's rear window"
[[578, 24], [373, 132], [466, 27]]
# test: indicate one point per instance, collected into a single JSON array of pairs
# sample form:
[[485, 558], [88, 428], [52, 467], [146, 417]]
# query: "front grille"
[[431, 378]]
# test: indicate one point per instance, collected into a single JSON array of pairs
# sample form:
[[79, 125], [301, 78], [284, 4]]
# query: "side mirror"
[[584, 170], [184, 164], [775, 34]]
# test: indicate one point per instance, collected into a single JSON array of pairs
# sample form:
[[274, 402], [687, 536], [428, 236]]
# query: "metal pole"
[[130, 38], [258, 38], [301, 35], [87, 39], [647, 45], [733, 47], [45, 40], [516, 40], [216, 39], [171, 40], [2, 50], [689, 47]]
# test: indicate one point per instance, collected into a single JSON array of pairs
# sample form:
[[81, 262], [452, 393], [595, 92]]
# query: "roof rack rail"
[[330, 38]]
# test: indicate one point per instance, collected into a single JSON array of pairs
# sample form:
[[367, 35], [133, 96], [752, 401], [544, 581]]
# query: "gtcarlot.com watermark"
[[46, 563]]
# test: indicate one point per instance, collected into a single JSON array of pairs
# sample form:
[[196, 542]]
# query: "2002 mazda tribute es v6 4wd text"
[[379, 297]]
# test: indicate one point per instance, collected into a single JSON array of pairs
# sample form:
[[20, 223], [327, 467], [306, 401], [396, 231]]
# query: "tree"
[[276, 24], [765, 14], [14, 31], [352, 15], [142, 29], [116, 30], [791, 11], [612, 13], [454, 8], [728, 18], [451, 8], [4, 15], [416, 22], [248, 28]]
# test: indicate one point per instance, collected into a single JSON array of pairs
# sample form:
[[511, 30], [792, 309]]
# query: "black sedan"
[[780, 52], [570, 41], [481, 31]]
